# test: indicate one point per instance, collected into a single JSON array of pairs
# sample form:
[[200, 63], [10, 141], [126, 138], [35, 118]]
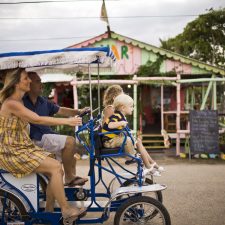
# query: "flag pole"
[[104, 17]]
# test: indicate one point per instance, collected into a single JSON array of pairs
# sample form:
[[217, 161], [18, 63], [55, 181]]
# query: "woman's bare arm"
[[19, 110]]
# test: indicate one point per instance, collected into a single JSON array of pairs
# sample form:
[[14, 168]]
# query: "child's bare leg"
[[150, 158], [147, 160], [144, 154], [129, 148], [140, 147]]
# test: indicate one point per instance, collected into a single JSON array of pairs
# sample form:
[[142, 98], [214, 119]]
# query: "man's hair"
[[122, 100], [110, 93], [32, 73]]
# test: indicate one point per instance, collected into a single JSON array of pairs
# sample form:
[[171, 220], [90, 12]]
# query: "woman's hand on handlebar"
[[75, 121]]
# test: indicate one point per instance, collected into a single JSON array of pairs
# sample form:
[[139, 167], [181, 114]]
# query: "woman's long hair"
[[11, 79], [110, 93]]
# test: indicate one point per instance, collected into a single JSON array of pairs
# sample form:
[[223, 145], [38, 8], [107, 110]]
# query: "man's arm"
[[63, 111]]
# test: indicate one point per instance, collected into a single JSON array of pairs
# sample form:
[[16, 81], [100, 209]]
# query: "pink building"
[[163, 103]]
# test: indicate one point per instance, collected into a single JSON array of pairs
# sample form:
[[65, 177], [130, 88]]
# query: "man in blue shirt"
[[64, 147]]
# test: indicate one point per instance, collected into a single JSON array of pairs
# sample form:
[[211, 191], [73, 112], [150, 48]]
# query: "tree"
[[153, 68], [202, 39], [47, 89]]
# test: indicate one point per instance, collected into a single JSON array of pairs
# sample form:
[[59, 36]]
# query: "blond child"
[[123, 105]]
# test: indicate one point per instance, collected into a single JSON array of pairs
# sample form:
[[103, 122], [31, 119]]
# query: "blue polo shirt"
[[43, 107]]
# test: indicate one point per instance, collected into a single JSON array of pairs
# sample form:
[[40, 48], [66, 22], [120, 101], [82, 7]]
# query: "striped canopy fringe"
[[67, 58]]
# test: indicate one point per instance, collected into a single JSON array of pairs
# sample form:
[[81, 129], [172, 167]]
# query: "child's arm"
[[113, 125]]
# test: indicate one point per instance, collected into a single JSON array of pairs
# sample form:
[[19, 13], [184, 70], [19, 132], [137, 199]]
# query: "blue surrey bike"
[[134, 198]]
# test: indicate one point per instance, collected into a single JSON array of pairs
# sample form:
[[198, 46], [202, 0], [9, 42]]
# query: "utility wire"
[[92, 17], [41, 2], [45, 39]]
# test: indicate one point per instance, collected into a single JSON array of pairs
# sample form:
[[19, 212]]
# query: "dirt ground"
[[195, 193]]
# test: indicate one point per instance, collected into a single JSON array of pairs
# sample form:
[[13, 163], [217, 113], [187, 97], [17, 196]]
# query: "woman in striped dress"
[[18, 154]]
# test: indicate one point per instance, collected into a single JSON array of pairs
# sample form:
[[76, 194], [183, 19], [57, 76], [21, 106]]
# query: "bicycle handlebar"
[[86, 112]]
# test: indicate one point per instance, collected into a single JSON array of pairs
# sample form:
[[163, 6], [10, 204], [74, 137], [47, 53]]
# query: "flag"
[[104, 16]]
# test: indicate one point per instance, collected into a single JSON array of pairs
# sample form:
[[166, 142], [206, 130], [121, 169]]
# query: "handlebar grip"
[[85, 113]]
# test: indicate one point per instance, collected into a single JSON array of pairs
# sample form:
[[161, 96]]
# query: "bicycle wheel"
[[142, 210], [11, 209], [156, 194]]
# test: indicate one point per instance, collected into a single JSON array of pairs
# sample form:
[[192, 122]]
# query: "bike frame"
[[96, 162]]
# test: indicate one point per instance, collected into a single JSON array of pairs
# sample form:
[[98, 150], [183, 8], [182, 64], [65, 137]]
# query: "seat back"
[[98, 143], [100, 150]]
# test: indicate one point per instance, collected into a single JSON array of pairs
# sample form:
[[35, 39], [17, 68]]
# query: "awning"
[[58, 77], [60, 59]]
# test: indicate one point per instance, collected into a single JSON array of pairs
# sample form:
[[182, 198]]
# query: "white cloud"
[[144, 29]]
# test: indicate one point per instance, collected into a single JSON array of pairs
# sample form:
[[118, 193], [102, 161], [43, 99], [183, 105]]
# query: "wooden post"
[[75, 97], [135, 107], [75, 100], [187, 106], [213, 78], [206, 95], [203, 92], [162, 107], [192, 97], [178, 116], [214, 96]]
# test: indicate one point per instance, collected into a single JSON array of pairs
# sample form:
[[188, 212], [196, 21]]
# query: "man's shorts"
[[53, 143], [118, 141]]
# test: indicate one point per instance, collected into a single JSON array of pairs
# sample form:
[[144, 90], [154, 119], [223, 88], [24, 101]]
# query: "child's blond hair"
[[122, 100], [110, 93]]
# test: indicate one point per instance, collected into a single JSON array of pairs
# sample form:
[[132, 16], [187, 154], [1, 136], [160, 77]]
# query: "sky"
[[27, 27]]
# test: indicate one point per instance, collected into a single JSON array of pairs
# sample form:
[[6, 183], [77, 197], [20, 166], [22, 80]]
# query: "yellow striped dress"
[[18, 154]]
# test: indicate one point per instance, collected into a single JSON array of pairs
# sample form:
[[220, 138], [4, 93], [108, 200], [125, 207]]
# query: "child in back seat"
[[123, 105], [110, 93]]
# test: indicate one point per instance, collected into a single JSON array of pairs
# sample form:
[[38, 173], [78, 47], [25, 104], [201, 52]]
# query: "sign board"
[[204, 132]]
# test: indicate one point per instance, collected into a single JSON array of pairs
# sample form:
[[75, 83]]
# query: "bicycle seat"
[[100, 149]]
